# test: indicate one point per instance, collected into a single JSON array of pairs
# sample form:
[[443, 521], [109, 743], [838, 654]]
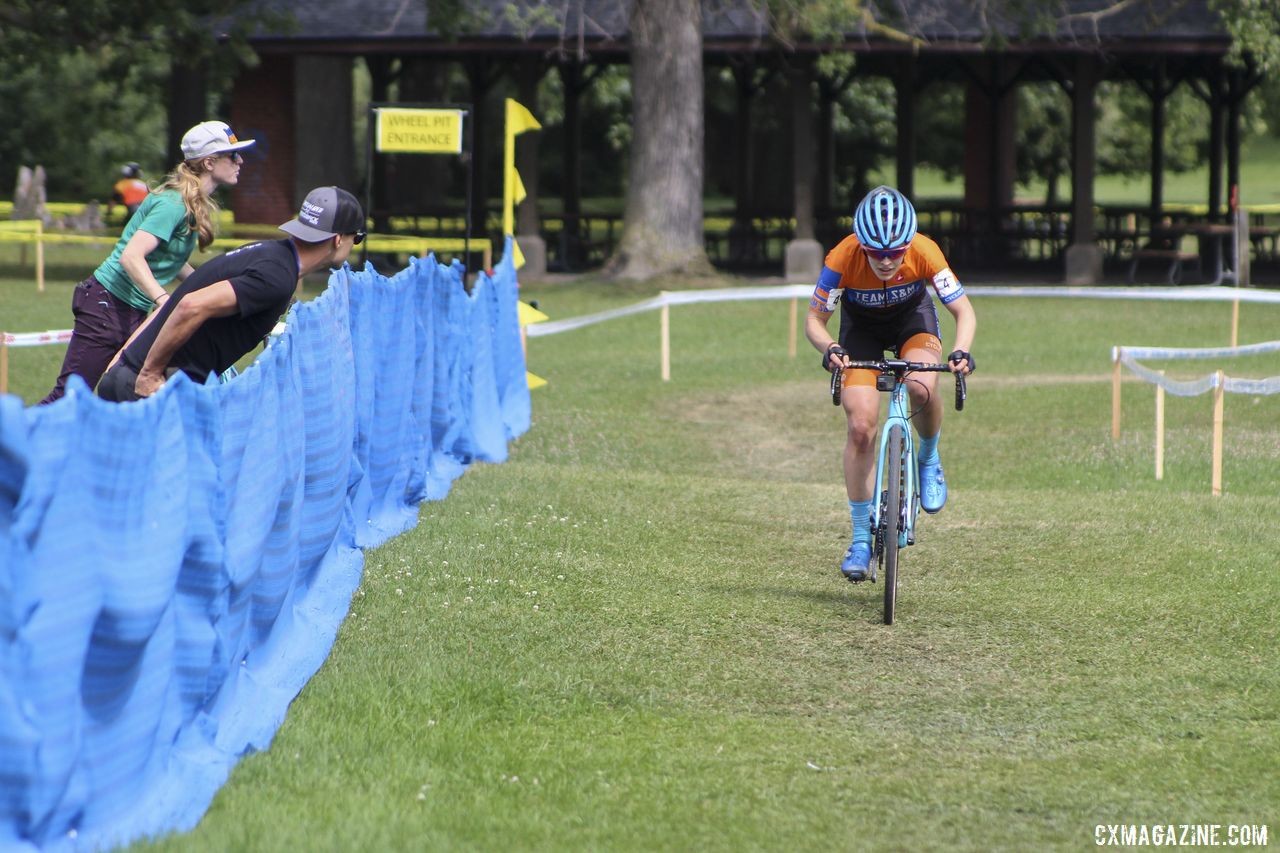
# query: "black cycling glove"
[[960, 355], [833, 350]]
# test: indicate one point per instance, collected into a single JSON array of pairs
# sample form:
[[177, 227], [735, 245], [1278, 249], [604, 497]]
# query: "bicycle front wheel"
[[895, 482]]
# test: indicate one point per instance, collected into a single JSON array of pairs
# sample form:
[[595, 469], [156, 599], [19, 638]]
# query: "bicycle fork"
[[910, 488]]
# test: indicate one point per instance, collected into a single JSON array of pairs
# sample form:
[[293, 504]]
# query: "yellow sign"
[[411, 131]]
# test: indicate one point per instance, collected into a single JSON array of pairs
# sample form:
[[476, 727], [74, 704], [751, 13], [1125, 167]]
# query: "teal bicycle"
[[893, 516]]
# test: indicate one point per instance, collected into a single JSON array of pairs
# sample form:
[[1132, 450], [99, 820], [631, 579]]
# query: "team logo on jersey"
[[885, 297]]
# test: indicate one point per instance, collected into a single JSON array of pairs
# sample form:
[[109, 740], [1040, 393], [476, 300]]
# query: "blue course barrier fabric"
[[173, 571]]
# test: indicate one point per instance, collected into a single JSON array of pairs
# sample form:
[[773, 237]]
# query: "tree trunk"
[[662, 227]]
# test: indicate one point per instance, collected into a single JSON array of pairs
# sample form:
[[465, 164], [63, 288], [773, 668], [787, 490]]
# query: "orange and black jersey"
[[848, 280]]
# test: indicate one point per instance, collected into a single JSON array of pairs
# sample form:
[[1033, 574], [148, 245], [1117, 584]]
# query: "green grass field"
[[633, 634]]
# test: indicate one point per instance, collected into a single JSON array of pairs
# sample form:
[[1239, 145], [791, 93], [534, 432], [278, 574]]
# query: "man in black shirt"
[[229, 304]]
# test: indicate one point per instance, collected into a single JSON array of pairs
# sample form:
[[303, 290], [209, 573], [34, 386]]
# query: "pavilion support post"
[[1217, 137], [571, 78], [741, 237], [382, 73], [824, 180], [528, 223], [803, 260], [1211, 249], [1159, 95], [1235, 100], [1084, 256], [322, 157], [187, 96], [989, 141], [480, 80], [904, 85]]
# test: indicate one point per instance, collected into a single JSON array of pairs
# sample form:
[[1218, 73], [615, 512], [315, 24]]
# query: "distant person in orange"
[[130, 190]]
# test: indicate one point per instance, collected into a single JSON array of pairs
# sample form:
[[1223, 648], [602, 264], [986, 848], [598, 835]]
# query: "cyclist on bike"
[[878, 277]]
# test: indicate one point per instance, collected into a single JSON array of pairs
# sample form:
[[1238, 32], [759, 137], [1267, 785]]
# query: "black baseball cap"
[[326, 211]]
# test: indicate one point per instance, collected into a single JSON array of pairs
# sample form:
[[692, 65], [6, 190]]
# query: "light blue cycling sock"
[[860, 515], [929, 449]]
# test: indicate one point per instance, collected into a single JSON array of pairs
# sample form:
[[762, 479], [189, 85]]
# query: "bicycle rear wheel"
[[895, 477]]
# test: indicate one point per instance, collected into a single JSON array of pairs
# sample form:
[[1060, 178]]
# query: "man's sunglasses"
[[885, 254], [359, 237]]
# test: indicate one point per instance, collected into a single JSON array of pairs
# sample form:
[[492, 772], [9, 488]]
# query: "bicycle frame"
[[899, 414]]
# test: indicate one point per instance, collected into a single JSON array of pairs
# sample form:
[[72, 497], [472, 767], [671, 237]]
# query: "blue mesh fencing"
[[173, 571]]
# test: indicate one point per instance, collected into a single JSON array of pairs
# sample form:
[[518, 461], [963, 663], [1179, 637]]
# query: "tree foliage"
[[34, 33], [1255, 30], [84, 83], [80, 123]]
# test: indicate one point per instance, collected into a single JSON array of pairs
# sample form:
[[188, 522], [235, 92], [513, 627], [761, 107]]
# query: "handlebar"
[[898, 369]]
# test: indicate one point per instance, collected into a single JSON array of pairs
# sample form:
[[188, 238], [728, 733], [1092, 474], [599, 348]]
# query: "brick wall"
[[262, 109]]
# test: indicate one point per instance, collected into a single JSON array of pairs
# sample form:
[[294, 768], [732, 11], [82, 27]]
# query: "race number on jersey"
[[948, 286]]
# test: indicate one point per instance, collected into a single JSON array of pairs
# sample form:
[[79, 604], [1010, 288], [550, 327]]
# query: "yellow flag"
[[534, 381], [528, 314], [519, 192], [517, 256], [519, 119]]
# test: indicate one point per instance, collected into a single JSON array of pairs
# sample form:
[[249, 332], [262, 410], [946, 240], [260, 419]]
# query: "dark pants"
[[117, 384], [103, 324]]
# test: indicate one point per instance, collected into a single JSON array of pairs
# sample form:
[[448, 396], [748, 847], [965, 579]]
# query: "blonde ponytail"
[[202, 210]]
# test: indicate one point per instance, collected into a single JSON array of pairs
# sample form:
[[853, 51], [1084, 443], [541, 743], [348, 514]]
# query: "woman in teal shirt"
[[153, 250]]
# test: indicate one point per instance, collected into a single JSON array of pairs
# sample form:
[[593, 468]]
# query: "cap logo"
[[311, 213], [231, 137]]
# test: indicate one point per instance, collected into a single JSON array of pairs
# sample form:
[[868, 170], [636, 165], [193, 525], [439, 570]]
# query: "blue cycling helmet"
[[885, 219]]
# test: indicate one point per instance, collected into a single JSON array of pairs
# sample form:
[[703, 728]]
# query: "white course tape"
[[1196, 387], [1196, 353], [1206, 293], [1256, 387], [1176, 387], [1201, 293], [36, 339], [551, 327]]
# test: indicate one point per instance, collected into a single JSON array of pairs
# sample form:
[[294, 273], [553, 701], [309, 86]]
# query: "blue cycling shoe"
[[933, 487], [856, 561]]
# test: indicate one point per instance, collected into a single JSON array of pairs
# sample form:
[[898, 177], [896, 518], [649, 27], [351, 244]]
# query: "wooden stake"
[[39, 256], [1218, 393], [1115, 395], [1235, 322], [666, 342], [4, 365], [791, 337], [1160, 431]]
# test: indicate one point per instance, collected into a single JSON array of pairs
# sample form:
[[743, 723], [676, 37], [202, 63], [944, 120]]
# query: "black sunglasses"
[[359, 237]]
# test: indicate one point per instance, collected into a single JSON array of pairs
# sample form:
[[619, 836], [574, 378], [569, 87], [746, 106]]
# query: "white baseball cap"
[[209, 138]]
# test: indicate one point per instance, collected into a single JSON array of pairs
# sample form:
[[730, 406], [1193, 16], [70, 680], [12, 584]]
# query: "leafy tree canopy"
[[36, 33], [84, 83]]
